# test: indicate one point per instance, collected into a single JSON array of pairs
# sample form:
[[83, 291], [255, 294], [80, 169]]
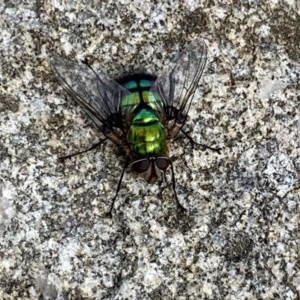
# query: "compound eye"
[[140, 166], [162, 163]]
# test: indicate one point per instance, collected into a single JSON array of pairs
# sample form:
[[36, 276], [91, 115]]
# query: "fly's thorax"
[[151, 168], [147, 136]]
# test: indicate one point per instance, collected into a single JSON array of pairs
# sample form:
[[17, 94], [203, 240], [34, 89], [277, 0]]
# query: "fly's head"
[[151, 167]]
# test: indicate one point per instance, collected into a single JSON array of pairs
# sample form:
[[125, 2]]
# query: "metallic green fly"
[[140, 113]]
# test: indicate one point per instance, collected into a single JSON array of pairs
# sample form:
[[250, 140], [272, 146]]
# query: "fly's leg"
[[63, 158], [218, 150], [109, 214], [174, 188]]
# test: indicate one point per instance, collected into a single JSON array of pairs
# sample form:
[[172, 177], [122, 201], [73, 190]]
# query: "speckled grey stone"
[[239, 238]]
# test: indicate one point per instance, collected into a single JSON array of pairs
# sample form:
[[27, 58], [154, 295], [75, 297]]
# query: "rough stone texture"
[[240, 236]]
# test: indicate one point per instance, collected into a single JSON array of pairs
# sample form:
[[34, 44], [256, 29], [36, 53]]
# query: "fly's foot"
[[108, 215]]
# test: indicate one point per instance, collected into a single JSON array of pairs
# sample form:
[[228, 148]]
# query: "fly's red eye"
[[162, 163], [140, 166]]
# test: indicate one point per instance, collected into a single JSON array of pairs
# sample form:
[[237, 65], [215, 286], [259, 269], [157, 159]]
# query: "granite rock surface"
[[238, 239]]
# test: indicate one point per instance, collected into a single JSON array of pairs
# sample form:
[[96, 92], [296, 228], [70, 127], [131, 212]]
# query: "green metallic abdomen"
[[147, 135], [132, 101]]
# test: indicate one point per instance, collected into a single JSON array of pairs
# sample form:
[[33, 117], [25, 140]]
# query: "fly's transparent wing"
[[177, 85], [97, 95]]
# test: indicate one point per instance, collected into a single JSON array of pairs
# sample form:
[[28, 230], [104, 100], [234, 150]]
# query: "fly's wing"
[[97, 95], [177, 85]]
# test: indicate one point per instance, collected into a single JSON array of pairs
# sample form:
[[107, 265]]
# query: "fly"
[[139, 113]]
